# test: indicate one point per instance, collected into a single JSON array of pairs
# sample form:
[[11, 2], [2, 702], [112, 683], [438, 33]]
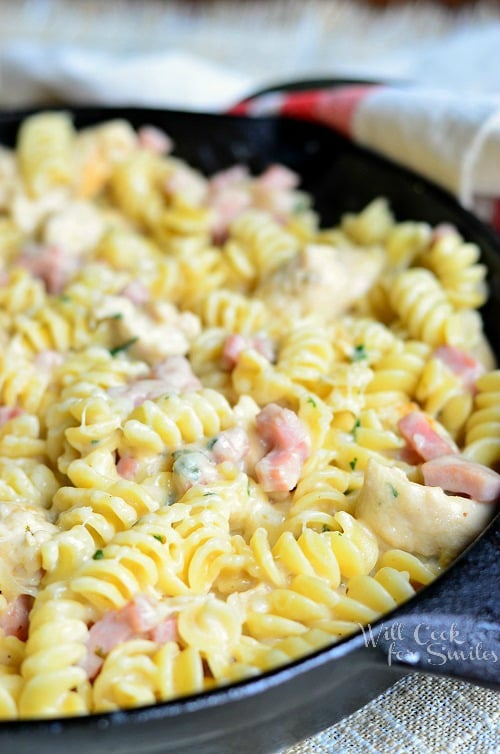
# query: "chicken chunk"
[[23, 531], [322, 279], [423, 520], [152, 333]]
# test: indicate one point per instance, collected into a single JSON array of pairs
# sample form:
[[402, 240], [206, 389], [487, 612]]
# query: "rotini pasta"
[[228, 437]]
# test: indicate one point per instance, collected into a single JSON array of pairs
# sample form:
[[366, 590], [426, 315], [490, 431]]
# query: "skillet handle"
[[453, 626]]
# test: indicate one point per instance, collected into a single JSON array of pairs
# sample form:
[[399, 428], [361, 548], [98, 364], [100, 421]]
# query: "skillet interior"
[[288, 704]]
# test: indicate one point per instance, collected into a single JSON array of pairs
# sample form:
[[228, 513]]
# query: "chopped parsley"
[[301, 205], [98, 555], [94, 442], [353, 463], [65, 298], [357, 425], [123, 346], [187, 464], [118, 315], [393, 490], [359, 353], [160, 538], [211, 443], [178, 453], [325, 528], [312, 402]]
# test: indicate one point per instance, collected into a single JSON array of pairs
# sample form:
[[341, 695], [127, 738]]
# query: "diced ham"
[[462, 364], [233, 348], [127, 467], [282, 429], [457, 475], [47, 360], [173, 375], [226, 206], [225, 179], [279, 470], [278, 177], [289, 445], [176, 374], [112, 629], [140, 618], [235, 345], [50, 264], [136, 292], [231, 445], [154, 139], [227, 197], [15, 620], [418, 431], [442, 230], [140, 613], [9, 412], [165, 631]]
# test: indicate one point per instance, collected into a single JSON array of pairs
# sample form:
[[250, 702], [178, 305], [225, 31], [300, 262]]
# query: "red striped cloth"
[[451, 139]]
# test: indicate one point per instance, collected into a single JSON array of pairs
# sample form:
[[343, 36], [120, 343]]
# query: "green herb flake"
[[123, 346], [353, 463], [393, 490], [312, 402], [118, 315], [211, 442], [301, 205], [160, 538], [359, 353], [181, 452], [65, 298], [94, 442], [325, 528], [357, 425], [98, 555]]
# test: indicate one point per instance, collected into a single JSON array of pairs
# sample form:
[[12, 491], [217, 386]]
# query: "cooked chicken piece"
[[420, 519], [76, 228], [151, 333], [23, 531], [322, 279]]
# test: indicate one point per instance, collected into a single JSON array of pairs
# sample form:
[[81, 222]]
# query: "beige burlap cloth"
[[52, 49], [418, 715]]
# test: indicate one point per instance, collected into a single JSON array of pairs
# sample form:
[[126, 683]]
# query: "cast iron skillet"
[[451, 627]]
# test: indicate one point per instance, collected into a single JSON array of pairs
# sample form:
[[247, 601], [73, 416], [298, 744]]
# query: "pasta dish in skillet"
[[228, 436]]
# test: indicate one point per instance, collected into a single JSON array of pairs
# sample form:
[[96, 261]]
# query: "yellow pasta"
[[214, 417]]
